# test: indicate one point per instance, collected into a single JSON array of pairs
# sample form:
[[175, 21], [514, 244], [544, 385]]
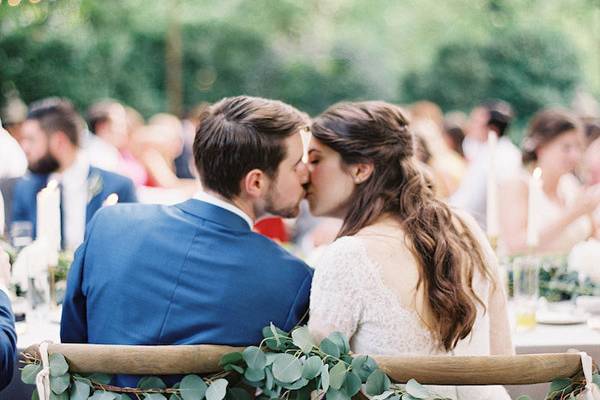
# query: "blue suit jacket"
[[192, 273], [8, 341], [101, 184]]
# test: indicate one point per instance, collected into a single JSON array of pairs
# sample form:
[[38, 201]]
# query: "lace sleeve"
[[335, 298]]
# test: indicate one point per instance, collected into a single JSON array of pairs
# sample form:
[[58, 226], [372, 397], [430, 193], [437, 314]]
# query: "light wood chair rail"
[[441, 370]]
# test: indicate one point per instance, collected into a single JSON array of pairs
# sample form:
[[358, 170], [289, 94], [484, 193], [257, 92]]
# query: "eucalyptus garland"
[[283, 366]]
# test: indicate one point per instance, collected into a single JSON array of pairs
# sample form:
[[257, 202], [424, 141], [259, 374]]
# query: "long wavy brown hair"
[[445, 249]]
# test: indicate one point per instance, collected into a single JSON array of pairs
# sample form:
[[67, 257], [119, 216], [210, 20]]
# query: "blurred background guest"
[[591, 156], [564, 208], [14, 163], [493, 116], [454, 131], [51, 141], [447, 167], [158, 145], [8, 336], [108, 146]]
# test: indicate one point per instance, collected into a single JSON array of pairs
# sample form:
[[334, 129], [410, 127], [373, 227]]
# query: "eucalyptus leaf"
[[254, 375], [312, 367], [300, 383], [301, 338], [103, 379], [523, 397], [383, 395], [58, 364], [415, 389], [233, 367], [377, 383], [340, 341], [559, 384], [287, 368], [192, 387], [173, 396], [35, 395], [103, 395], [59, 384], [596, 379], [333, 394], [238, 394], [337, 375], [151, 382], [217, 390], [254, 358], [62, 396], [351, 384], [330, 348], [231, 358], [80, 391], [364, 366], [269, 380], [270, 358], [29, 372], [325, 378], [154, 396]]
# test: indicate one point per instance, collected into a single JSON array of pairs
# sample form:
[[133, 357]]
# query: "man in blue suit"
[[51, 136], [195, 272], [8, 337]]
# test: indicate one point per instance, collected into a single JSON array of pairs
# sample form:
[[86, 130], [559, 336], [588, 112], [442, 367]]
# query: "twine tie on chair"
[[591, 392], [42, 380]]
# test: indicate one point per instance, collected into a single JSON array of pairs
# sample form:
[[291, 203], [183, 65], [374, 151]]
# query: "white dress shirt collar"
[[208, 198], [74, 196]]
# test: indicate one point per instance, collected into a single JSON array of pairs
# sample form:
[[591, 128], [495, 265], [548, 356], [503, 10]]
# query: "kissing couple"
[[406, 274]]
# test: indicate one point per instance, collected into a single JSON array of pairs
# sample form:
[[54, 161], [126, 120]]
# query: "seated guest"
[[8, 337], [108, 146], [493, 116], [564, 209], [447, 168], [591, 156], [51, 137], [591, 163], [195, 272], [12, 159]]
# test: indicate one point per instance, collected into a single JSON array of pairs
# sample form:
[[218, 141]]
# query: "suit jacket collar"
[[214, 213]]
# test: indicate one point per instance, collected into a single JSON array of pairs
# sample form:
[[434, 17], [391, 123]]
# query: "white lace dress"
[[349, 295]]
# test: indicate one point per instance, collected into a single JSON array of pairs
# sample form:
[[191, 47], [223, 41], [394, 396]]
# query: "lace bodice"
[[349, 295]]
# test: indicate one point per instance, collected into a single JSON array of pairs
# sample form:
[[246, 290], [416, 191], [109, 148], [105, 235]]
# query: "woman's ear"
[[361, 172]]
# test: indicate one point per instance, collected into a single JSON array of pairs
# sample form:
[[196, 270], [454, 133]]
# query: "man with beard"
[[195, 272], [50, 139]]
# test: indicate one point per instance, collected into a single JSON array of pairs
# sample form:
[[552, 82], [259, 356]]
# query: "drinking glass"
[[21, 233], [526, 272]]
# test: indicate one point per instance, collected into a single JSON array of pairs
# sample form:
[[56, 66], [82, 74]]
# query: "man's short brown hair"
[[239, 134]]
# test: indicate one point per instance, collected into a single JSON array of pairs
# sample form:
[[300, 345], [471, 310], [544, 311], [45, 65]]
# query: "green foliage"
[[529, 68], [556, 281], [310, 55], [290, 372]]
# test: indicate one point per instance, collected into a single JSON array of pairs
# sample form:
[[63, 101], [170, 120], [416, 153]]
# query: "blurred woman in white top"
[[554, 144]]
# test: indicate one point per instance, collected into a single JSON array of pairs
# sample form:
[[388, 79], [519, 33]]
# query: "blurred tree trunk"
[[174, 56]]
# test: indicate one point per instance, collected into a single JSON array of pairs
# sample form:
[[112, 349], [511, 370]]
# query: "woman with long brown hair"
[[406, 275]]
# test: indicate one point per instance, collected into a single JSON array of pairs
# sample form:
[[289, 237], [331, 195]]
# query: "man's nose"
[[303, 173]]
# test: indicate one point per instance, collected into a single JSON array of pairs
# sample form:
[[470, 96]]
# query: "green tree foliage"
[[310, 54], [529, 68]]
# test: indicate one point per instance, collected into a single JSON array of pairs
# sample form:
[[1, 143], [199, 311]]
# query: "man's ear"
[[255, 183], [361, 172]]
